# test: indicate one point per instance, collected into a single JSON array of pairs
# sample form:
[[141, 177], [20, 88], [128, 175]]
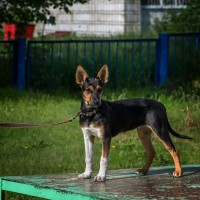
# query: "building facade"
[[110, 17]]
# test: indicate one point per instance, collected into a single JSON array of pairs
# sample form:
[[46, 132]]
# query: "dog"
[[105, 119]]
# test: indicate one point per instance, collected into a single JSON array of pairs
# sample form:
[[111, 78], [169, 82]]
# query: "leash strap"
[[22, 125]]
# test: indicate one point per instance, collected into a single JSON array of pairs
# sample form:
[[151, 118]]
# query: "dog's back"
[[128, 114]]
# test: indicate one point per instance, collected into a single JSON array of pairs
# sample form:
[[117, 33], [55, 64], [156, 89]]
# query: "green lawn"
[[60, 149]]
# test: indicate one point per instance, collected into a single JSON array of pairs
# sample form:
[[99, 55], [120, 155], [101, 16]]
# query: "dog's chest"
[[92, 130]]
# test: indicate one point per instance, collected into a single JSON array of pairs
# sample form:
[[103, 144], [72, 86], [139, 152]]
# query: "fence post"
[[162, 59], [21, 63]]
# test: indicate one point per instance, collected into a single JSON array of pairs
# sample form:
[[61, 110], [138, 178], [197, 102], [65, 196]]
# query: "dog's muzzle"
[[93, 104]]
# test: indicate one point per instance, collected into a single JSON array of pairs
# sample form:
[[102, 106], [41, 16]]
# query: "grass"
[[60, 149]]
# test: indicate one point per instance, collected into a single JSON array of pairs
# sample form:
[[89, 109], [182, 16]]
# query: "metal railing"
[[184, 56], [8, 68], [48, 65], [53, 63]]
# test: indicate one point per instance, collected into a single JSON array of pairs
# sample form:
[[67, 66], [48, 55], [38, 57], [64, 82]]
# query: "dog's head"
[[92, 87]]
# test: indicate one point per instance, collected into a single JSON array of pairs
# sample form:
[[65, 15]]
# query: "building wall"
[[98, 17], [107, 17]]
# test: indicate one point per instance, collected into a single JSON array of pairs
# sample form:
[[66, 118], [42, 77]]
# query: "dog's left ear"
[[103, 74]]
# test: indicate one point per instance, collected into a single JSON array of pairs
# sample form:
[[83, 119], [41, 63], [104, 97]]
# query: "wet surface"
[[124, 184]]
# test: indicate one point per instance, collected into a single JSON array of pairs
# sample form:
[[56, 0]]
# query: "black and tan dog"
[[104, 119]]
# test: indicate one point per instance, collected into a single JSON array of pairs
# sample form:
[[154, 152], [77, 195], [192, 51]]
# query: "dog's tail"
[[174, 133]]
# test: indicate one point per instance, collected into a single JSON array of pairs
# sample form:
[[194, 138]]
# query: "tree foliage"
[[25, 11], [187, 20]]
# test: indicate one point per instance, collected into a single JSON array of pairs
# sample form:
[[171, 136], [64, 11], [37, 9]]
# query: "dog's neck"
[[90, 110]]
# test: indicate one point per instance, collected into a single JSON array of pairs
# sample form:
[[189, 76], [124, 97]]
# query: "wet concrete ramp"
[[120, 184]]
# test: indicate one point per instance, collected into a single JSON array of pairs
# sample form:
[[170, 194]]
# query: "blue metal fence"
[[184, 56], [47, 65], [53, 63], [8, 57]]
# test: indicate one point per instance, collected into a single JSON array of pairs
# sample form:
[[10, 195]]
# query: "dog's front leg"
[[89, 143], [101, 176]]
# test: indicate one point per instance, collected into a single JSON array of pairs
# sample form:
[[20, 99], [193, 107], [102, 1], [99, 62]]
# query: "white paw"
[[85, 175], [141, 171], [177, 173], [99, 178]]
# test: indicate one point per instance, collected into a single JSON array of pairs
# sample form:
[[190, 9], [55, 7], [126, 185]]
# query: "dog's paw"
[[85, 175], [141, 171], [99, 178], [177, 174]]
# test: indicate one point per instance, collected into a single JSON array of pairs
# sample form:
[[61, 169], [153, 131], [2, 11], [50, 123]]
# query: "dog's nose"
[[96, 100]]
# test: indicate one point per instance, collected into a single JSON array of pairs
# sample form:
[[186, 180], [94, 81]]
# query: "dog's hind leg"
[[163, 135], [144, 133], [175, 155]]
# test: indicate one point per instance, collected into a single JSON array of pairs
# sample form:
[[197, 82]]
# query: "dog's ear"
[[81, 75], [103, 74]]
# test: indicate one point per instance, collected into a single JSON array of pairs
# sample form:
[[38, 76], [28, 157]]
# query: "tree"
[[26, 11], [187, 20]]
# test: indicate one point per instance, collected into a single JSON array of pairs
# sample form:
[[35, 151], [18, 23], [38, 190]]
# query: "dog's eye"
[[89, 90]]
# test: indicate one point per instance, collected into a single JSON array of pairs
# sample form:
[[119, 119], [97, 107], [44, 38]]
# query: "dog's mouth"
[[93, 104]]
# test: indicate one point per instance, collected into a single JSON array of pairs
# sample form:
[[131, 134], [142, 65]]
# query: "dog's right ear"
[[81, 76]]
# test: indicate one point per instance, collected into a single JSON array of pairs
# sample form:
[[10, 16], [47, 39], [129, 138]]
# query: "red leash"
[[22, 125]]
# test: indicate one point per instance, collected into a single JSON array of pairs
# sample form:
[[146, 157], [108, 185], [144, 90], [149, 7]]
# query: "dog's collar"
[[89, 113]]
